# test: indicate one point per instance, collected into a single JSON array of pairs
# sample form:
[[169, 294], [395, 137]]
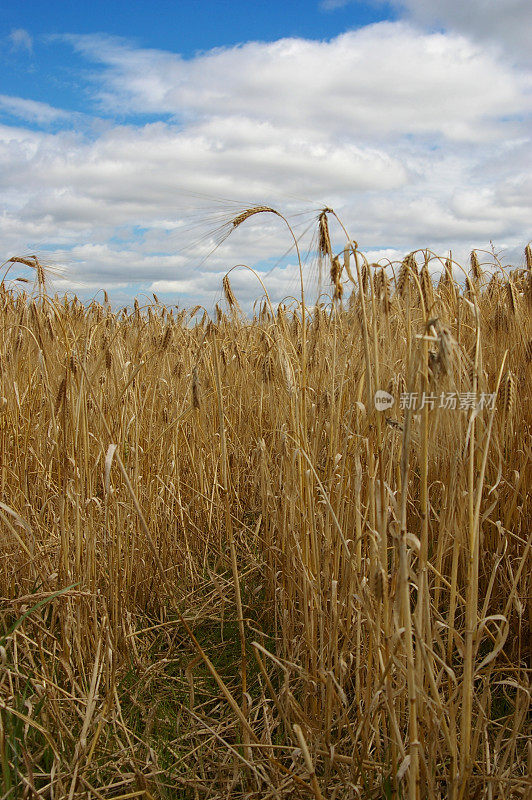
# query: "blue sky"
[[187, 27], [54, 74], [130, 133]]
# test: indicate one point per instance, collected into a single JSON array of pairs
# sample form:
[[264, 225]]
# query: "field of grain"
[[224, 573]]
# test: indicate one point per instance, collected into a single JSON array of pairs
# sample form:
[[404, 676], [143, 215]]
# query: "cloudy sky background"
[[126, 142]]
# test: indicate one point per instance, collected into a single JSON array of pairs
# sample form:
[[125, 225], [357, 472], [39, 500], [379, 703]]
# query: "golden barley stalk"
[[250, 212]]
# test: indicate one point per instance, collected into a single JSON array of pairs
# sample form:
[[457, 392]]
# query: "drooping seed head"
[[250, 212], [324, 238], [229, 294]]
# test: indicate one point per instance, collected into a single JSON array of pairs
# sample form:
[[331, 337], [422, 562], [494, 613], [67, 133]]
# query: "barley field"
[[227, 571]]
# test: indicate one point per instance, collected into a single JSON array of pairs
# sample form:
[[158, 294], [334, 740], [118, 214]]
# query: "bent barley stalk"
[[280, 590]]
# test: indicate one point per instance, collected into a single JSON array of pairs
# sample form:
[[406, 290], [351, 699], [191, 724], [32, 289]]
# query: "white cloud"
[[21, 40], [384, 79], [507, 22], [282, 283], [418, 140], [31, 110]]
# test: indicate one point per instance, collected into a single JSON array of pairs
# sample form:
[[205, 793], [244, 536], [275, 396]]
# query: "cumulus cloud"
[[21, 40], [506, 23], [418, 139], [384, 79]]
